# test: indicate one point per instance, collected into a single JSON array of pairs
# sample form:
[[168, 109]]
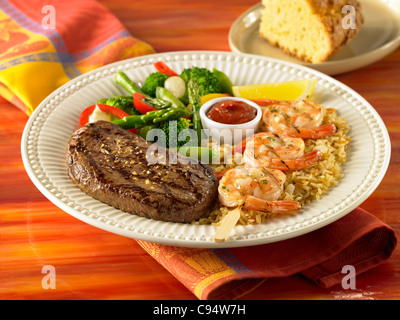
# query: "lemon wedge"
[[285, 91]]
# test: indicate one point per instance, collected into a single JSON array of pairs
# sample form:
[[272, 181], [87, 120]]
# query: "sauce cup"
[[229, 133]]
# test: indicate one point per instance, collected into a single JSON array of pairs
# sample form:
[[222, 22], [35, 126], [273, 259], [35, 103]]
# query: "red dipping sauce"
[[232, 112]]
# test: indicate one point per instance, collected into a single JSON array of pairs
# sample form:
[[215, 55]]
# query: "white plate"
[[379, 36], [53, 122]]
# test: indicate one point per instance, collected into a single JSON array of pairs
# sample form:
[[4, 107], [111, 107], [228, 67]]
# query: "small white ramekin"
[[229, 133]]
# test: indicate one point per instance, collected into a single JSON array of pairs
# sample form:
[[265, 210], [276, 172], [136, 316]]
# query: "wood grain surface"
[[94, 264]]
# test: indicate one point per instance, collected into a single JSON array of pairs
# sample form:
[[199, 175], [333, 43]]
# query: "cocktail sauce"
[[232, 112]]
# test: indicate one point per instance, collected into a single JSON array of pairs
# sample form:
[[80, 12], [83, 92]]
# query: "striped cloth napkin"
[[44, 44], [332, 255]]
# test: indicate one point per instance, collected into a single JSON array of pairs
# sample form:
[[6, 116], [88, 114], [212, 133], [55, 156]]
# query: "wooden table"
[[94, 264]]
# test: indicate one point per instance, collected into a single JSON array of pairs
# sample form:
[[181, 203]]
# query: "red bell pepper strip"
[[84, 117], [163, 68], [141, 105]]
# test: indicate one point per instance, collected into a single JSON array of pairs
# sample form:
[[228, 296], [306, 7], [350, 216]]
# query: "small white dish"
[[379, 36], [229, 133]]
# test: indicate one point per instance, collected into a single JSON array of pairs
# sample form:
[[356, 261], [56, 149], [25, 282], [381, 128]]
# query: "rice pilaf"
[[303, 185]]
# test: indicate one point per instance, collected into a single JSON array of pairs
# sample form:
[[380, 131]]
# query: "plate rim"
[[384, 49], [185, 242]]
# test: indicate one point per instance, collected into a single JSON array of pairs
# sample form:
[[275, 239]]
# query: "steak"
[[129, 173]]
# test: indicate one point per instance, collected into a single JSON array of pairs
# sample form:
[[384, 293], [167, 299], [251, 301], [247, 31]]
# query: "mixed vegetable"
[[167, 101]]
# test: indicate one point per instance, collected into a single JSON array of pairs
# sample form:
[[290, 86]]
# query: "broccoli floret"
[[154, 80], [205, 79], [175, 133]]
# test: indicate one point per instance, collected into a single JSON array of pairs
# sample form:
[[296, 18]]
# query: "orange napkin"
[[359, 240], [44, 44]]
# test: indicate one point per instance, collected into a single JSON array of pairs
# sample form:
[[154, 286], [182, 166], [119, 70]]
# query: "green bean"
[[171, 114], [164, 94], [194, 100], [158, 103], [123, 80], [150, 118], [206, 155]]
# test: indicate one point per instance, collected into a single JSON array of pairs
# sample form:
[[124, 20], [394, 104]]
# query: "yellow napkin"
[[44, 46]]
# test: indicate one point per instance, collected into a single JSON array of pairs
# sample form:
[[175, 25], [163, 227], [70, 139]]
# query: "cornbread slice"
[[311, 30]]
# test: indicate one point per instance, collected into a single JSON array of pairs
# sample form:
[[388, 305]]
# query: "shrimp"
[[281, 152], [255, 189], [302, 119]]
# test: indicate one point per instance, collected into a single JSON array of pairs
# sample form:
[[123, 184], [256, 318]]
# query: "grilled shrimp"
[[256, 189], [300, 119], [281, 152]]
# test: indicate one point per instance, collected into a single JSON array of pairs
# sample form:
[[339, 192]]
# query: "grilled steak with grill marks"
[[116, 166]]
